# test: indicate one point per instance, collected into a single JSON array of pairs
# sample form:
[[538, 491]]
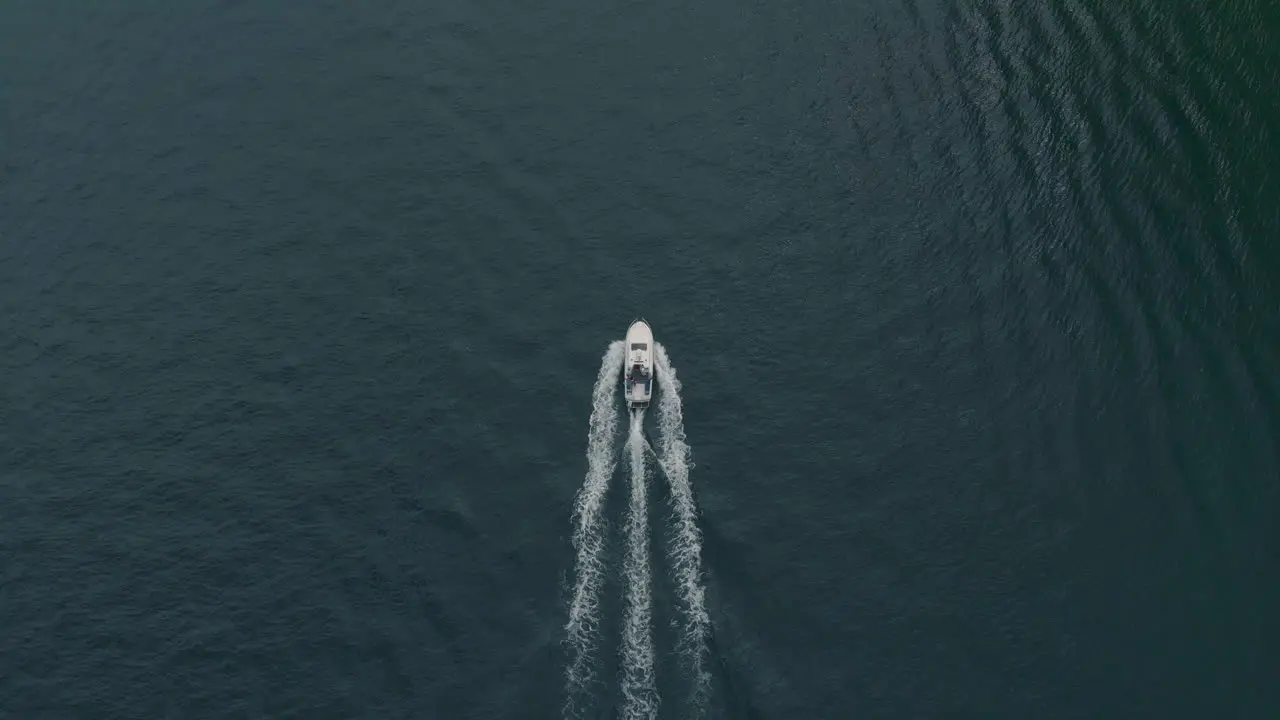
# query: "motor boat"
[[637, 368]]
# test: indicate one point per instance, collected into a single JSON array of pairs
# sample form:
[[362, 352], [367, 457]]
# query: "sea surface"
[[975, 305]]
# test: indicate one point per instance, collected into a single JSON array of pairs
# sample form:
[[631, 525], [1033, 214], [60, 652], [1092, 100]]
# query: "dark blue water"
[[974, 303]]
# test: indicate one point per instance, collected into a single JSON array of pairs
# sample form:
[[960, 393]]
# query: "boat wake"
[[640, 699], [583, 628], [639, 691], [685, 549]]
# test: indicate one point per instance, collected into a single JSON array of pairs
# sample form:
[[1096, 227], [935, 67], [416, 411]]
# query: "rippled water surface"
[[975, 306]]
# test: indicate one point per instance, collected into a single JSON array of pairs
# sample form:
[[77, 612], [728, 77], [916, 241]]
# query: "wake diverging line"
[[686, 547], [583, 627], [639, 688]]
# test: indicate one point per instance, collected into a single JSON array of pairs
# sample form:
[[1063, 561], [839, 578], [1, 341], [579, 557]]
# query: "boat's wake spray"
[[685, 549], [639, 691], [583, 629]]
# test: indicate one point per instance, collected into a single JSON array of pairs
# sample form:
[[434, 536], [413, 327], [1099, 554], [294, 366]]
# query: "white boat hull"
[[637, 366]]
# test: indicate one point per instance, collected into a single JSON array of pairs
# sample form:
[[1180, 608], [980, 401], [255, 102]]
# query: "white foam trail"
[[582, 630], [639, 688], [686, 547]]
